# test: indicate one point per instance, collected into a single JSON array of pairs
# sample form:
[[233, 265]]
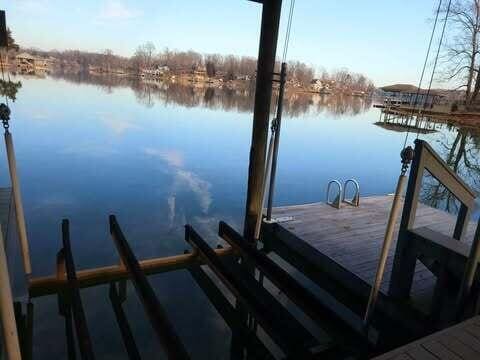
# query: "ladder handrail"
[[335, 203]]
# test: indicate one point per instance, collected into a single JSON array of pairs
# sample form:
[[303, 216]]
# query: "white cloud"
[[201, 188], [184, 180], [116, 125], [172, 157], [116, 10]]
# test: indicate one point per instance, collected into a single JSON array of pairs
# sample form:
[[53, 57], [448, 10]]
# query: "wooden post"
[[17, 198], [9, 325], [263, 94], [157, 315], [3, 30], [469, 275], [405, 257]]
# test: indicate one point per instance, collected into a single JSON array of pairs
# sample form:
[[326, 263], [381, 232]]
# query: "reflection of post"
[[9, 325], [17, 197]]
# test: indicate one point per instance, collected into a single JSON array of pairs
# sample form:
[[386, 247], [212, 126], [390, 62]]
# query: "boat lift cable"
[[417, 94], [436, 61], [407, 155]]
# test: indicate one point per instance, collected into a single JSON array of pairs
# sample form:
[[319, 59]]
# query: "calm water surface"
[[159, 157]]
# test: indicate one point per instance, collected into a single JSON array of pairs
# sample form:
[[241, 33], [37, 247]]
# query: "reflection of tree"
[[9, 89], [148, 92], [463, 156]]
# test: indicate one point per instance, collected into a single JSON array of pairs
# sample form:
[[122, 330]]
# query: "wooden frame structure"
[[445, 256]]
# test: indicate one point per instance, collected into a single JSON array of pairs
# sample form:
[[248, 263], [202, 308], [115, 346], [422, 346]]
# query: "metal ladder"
[[341, 193]]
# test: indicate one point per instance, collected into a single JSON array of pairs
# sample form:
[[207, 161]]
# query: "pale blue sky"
[[385, 39]]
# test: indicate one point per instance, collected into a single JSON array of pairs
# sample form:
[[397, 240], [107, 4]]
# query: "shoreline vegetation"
[[187, 68]]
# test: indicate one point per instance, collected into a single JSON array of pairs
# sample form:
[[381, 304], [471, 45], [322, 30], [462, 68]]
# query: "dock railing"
[[424, 243]]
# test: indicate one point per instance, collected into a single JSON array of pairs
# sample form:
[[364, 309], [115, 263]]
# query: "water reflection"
[[460, 148], [160, 155], [150, 92]]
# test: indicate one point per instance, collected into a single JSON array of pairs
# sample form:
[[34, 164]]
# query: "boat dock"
[[350, 239]]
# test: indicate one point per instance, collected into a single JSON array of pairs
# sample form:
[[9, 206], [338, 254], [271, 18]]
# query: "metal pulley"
[[4, 112]]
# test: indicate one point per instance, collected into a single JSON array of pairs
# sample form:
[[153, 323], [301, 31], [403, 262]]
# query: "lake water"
[[159, 157]]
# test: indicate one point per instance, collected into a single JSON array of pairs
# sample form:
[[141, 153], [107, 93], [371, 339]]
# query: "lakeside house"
[[157, 71], [28, 62], [322, 86]]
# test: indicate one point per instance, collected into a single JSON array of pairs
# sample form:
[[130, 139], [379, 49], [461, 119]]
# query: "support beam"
[[3, 30], [255, 348], [156, 313], [7, 314], [305, 300], [52, 284], [122, 321], [263, 95], [278, 323], [83, 335]]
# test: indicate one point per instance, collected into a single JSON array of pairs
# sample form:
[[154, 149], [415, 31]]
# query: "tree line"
[[227, 67]]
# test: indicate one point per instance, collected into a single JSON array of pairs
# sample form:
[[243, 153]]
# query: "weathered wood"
[[339, 250], [47, 285], [306, 300], [122, 321], [156, 314], [277, 322], [3, 30], [454, 343], [255, 348], [83, 335], [405, 257], [347, 287], [263, 96], [9, 326]]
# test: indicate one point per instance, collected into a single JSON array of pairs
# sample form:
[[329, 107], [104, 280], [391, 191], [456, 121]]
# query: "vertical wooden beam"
[[468, 277], [263, 94], [405, 256], [7, 314], [79, 318], [461, 225], [3, 30], [157, 315]]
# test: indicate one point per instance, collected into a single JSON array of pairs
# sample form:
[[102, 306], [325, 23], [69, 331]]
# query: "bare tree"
[[461, 51], [145, 54]]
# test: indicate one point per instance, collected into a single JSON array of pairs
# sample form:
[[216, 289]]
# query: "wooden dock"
[[460, 342], [350, 239]]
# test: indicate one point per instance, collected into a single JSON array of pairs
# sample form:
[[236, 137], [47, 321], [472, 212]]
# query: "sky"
[[384, 39]]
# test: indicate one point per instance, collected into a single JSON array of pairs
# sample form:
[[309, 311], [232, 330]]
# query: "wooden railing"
[[446, 253]]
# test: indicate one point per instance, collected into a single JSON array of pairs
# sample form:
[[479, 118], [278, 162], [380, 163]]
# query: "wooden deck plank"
[[454, 343], [352, 236]]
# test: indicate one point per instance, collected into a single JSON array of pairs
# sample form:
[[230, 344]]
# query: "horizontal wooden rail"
[[83, 335], [255, 348], [48, 285], [341, 331], [263, 310], [156, 314]]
